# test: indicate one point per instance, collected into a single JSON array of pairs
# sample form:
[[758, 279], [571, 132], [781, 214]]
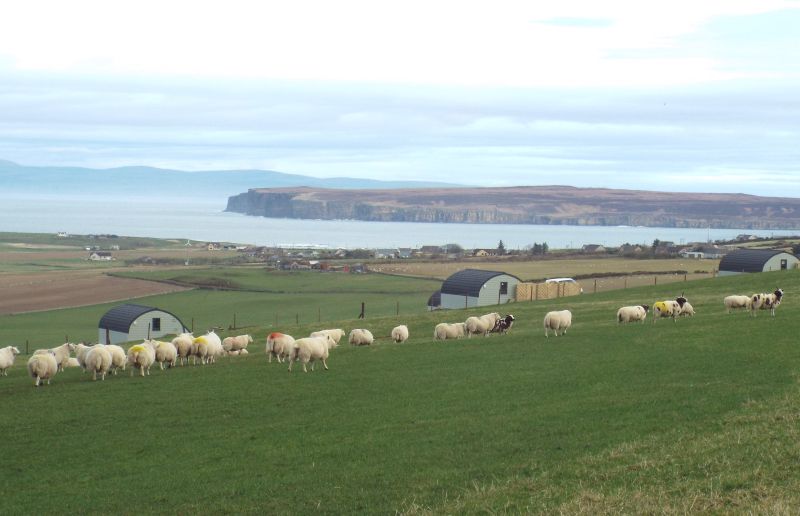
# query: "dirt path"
[[46, 291]]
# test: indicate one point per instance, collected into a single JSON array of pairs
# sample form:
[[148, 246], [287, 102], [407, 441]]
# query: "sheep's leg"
[[324, 363], [94, 375], [37, 381], [304, 367]]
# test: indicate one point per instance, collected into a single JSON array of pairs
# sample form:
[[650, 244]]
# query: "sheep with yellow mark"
[[142, 357]]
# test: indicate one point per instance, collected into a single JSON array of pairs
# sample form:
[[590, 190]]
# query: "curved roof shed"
[[756, 260], [477, 287], [128, 322], [435, 301]]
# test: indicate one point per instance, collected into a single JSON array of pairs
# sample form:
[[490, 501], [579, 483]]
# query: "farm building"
[[128, 322], [475, 287], [435, 301], [756, 260]]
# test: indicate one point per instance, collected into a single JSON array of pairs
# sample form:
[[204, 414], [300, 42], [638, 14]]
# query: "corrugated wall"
[[534, 291]]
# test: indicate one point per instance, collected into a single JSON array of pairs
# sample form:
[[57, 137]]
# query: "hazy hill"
[[526, 205], [156, 182]]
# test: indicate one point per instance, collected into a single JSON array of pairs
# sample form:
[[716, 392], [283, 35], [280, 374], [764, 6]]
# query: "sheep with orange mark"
[[280, 346], [7, 356], [142, 357], [236, 343], [42, 366]]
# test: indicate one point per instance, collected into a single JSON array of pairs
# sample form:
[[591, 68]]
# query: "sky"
[[671, 96]]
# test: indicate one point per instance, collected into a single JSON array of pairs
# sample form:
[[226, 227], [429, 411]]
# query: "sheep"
[[118, 357], [628, 314], [360, 337], [61, 352], [504, 324], [670, 308], [766, 302], [400, 333], [236, 343], [165, 352], [209, 347], [43, 366], [183, 345], [336, 335], [80, 353], [238, 352], [280, 346], [309, 349], [141, 357], [98, 360], [444, 331], [482, 324], [7, 356], [243, 352], [687, 310], [734, 302], [557, 320]]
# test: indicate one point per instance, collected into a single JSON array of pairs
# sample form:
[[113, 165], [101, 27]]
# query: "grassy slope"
[[699, 414]]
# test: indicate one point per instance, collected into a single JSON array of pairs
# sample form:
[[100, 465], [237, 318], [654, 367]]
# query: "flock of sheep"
[[103, 359]]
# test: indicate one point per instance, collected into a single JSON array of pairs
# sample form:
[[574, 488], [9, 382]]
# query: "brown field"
[[50, 290]]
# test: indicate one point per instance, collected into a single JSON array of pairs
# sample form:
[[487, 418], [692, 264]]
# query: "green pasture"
[[699, 415], [81, 241]]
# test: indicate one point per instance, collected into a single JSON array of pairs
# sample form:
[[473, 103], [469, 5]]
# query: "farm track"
[[20, 293]]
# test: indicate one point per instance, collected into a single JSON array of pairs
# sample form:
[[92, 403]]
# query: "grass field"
[[695, 416]]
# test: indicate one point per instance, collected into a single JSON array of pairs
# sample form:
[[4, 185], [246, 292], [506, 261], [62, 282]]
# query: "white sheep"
[[734, 302], [628, 314], [669, 308], [42, 366], [80, 353], [183, 344], [280, 346], [7, 356], [766, 302], [483, 324], [209, 347], [557, 320], [243, 352], [360, 337], [309, 349], [236, 343], [335, 334], [73, 362], [166, 352], [61, 353], [98, 360], [444, 331], [118, 357], [400, 333], [142, 357], [687, 310]]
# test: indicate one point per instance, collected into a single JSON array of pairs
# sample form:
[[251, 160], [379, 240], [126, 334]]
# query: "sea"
[[206, 220]]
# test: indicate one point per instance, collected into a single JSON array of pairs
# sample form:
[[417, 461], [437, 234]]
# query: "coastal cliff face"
[[524, 205]]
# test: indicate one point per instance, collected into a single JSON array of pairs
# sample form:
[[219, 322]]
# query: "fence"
[[534, 291]]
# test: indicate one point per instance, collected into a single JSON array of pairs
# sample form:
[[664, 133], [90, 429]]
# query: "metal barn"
[[129, 322], [756, 260], [476, 287]]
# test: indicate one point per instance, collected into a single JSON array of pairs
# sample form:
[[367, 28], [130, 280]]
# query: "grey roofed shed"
[[756, 260], [130, 321], [477, 287], [435, 301]]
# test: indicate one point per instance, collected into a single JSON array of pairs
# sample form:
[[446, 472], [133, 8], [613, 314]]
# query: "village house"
[[100, 256]]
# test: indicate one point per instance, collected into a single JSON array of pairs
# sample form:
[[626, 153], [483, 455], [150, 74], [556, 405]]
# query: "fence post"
[[595, 286], [192, 324], [684, 277], [655, 280], [319, 314], [234, 320], [276, 319], [27, 351], [398, 308], [66, 337], [626, 283], [297, 318]]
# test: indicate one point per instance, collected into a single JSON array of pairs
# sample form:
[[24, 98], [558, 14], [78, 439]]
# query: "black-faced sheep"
[[766, 302]]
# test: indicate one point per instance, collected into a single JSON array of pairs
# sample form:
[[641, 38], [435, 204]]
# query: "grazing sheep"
[[734, 302], [98, 360], [766, 302], [336, 335], [482, 324], [209, 347], [61, 353], [118, 357], [360, 337], [400, 333], [670, 308], [236, 343], [687, 310], [141, 357], [73, 362], [444, 331], [557, 320], [628, 314], [42, 366], [243, 352], [183, 345], [80, 353], [280, 346], [504, 324], [7, 355], [166, 352], [309, 349]]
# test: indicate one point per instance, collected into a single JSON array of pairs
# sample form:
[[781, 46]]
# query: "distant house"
[[703, 251], [404, 252], [100, 256], [62, 234], [480, 253], [593, 248], [214, 246], [745, 237], [628, 248], [384, 254], [757, 260], [431, 249]]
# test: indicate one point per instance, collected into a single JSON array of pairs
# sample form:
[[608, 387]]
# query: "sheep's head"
[[681, 301], [14, 350], [778, 293], [646, 308]]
